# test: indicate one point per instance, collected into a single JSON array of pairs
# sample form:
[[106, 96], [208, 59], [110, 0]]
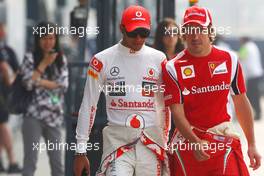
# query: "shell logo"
[[187, 71]]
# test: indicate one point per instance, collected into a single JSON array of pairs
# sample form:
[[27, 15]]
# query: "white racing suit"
[[136, 136]]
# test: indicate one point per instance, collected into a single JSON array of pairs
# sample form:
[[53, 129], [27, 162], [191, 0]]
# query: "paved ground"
[[43, 165]]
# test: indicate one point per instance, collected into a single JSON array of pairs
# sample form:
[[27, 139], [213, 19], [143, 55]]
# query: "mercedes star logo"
[[114, 71]]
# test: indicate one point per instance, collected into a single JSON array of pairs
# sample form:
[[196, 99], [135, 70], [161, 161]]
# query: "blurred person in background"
[[219, 41], [45, 71], [167, 38], [250, 58], [78, 16], [8, 67]]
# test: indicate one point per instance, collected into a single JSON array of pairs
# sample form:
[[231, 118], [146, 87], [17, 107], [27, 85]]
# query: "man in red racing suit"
[[199, 84]]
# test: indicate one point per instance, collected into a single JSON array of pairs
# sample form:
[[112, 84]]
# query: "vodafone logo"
[[151, 75], [151, 72], [135, 121], [138, 14], [95, 62]]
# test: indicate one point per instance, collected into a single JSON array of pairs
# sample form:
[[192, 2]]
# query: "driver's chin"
[[197, 50], [137, 47]]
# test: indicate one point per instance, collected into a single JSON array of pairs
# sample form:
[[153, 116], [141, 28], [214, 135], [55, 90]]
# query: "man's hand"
[[254, 156], [199, 152], [81, 163], [245, 118]]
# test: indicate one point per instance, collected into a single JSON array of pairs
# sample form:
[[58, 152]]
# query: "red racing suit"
[[204, 86]]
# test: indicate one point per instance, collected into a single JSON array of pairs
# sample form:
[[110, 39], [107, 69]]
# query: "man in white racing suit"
[[129, 73]]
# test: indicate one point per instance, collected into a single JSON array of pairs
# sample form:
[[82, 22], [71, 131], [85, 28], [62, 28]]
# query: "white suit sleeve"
[[92, 90]]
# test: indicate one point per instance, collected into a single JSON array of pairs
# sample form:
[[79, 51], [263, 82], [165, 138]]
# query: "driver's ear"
[[122, 28]]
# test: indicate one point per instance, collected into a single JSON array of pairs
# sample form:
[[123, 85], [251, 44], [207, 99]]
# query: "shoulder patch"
[[96, 64]]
